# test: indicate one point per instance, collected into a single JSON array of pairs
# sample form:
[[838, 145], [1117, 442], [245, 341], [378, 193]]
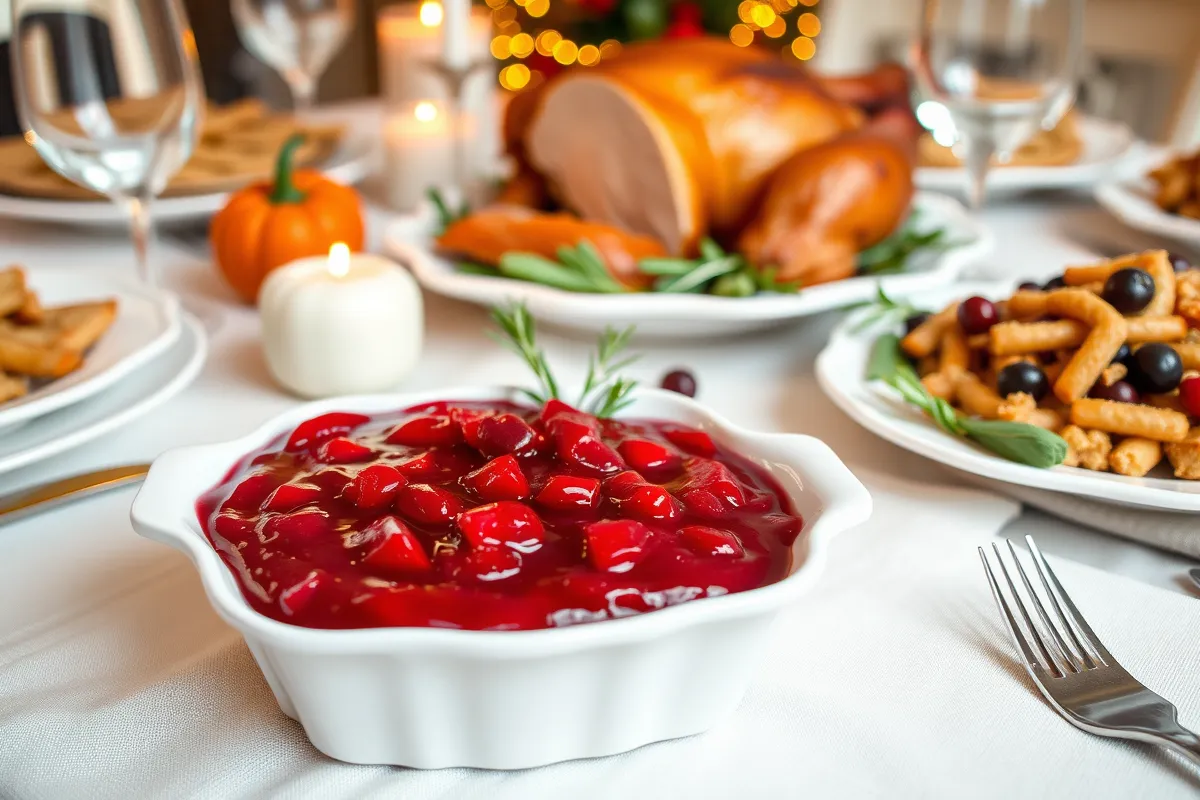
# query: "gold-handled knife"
[[67, 490]]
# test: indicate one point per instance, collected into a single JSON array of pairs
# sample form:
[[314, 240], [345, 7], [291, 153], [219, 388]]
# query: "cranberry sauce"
[[493, 516]]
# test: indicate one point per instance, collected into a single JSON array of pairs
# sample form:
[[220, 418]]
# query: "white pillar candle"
[[418, 153], [341, 324], [411, 48]]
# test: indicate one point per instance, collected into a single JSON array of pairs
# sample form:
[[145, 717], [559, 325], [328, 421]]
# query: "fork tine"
[[1014, 629], [1090, 645], [1050, 662], [1061, 648]]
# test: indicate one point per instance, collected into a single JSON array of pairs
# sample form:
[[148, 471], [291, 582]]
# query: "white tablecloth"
[[892, 679]]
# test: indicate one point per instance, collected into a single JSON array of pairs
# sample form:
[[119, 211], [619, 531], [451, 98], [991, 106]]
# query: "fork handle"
[[1185, 743]]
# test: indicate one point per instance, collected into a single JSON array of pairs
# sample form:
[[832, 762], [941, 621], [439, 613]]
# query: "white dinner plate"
[[841, 371], [690, 315], [1132, 202], [147, 323], [142, 390], [349, 164], [1105, 145]]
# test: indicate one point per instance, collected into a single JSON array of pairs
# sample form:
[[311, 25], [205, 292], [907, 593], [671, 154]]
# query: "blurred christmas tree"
[[536, 38]]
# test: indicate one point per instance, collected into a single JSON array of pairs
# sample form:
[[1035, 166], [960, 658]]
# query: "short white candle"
[[341, 324]]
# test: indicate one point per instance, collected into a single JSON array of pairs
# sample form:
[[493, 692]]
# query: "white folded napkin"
[[893, 678], [1177, 532]]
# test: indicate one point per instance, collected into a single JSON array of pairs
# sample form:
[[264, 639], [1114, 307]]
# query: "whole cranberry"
[[1029, 286], [1119, 392], [977, 315], [1022, 376], [1180, 263], [1189, 395], [680, 381], [1156, 368]]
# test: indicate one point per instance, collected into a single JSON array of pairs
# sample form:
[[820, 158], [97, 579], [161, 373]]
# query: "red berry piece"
[[251, 492], [309, 523], [570, 493], [1189, 396], [555, 408], [374, 486], [499, 434], [394, 546], [698, 443], [577, 443], [234, 528], [650, 458], [651, 503], [707, 541], [977, 315], [427, 505], [422, 467], [506, 522], [617, 545], [290, 496], [343, 451], [499, 479], [491, 562], [300, 595], [711, 489], [425, 432], [326, 426], [622, 485]]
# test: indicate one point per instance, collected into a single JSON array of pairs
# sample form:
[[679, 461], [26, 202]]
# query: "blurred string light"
[[511, 42], [767, 17]]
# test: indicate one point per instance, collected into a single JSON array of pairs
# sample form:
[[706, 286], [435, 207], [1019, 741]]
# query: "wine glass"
[[296, 38], [992, 72], [110, 95]]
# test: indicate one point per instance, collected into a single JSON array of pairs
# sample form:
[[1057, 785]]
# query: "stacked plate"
[[151, 352]]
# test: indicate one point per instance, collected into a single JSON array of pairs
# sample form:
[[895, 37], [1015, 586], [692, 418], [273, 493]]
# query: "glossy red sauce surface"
[[493, 516]]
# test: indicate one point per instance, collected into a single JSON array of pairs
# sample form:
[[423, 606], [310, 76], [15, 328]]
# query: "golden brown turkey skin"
[[828, 203], [487, 235]]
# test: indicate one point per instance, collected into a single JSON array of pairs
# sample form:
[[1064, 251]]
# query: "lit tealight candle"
[[341, 324]]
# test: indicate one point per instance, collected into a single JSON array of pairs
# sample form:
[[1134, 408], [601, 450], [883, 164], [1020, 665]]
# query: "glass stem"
[[304, 92], [981, 147], [461, 151], [142, 228]]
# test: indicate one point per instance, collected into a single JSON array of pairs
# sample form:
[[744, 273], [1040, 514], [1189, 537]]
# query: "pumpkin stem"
[[285, 188]]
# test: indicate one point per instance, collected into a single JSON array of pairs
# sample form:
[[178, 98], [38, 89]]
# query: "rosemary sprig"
[[892, 254], [445, 214], [520, 336], [1016, 441], [604, 391], [883, 309]]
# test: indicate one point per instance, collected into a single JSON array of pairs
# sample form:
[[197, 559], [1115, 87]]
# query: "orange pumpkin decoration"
[[267, 224]]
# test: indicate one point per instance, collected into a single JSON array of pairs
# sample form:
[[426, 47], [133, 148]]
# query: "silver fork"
[[1075, 671]]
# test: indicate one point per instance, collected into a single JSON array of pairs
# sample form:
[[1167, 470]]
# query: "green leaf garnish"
[[604, 392], [445, 214], [1015, 441], [883, 309], [578, 269], [892, 254]]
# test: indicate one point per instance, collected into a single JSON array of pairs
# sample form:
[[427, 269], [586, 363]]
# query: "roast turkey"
[[678, 140]]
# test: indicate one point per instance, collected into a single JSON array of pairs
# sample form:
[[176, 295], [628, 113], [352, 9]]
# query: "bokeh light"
[[741, 35], [589, 55], [514, 76], [546, 41], [762, 15], [521, 45], [565, 52], [431, 13], [500, 47], [425, 111], [537, 8], [804, 48], [776, 29], [808, 24]]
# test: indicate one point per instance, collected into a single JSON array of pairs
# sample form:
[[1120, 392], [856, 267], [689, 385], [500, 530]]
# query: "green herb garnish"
[[892, 254], [883, 309], [1016, 441], [446, 215], [578, 269], [714, 272], [604, 391]]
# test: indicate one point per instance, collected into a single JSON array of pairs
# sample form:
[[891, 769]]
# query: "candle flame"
[[425, 111], [431, 13], [339, 260]]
